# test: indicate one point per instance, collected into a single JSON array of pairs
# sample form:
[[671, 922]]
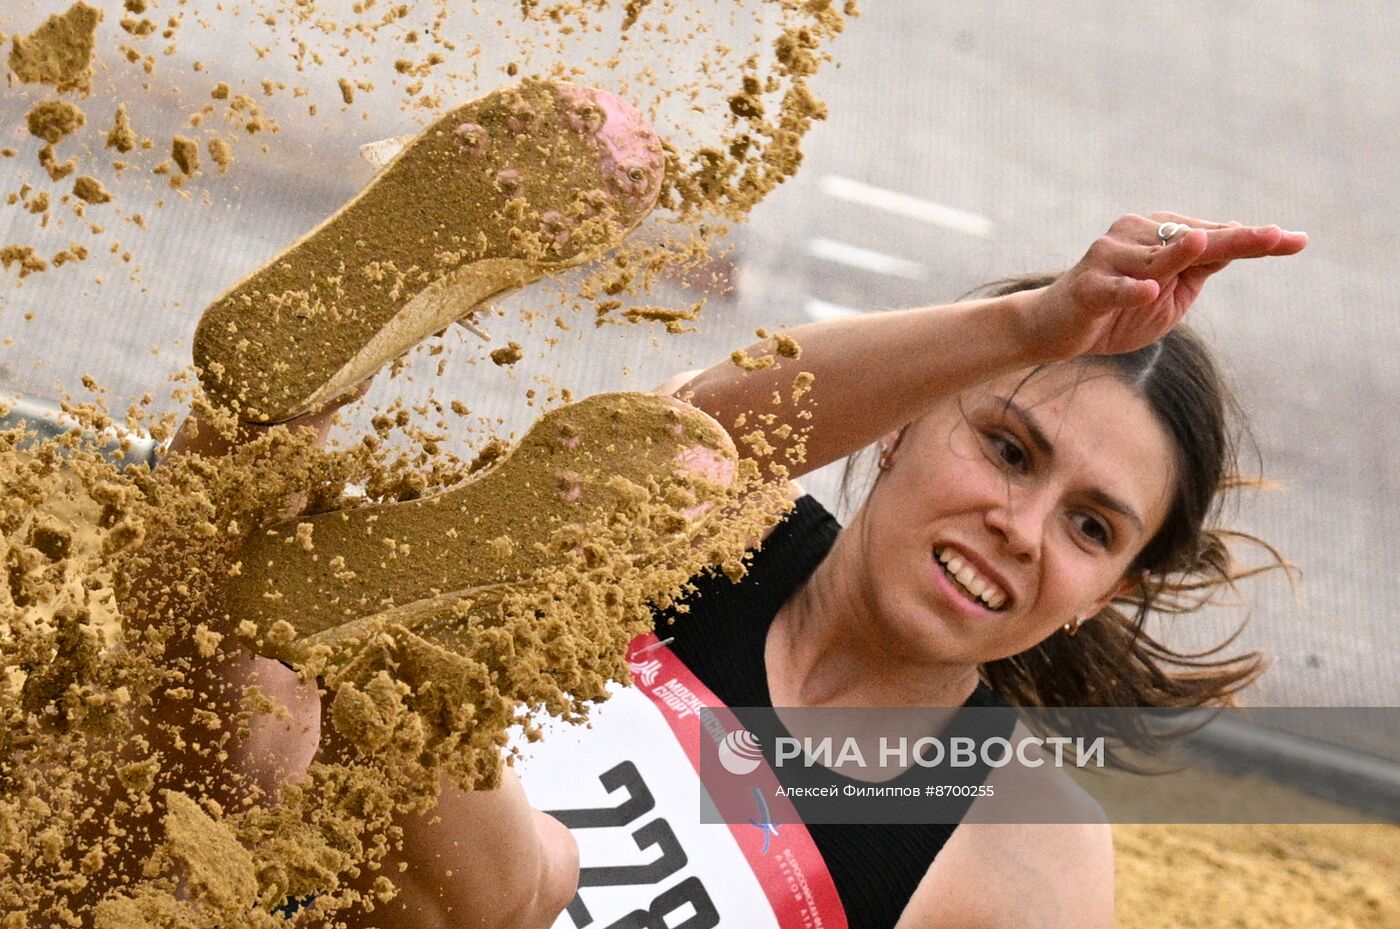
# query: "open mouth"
[[967, 581]]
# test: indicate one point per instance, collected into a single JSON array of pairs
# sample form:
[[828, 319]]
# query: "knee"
[[559, 869], [281, 740]]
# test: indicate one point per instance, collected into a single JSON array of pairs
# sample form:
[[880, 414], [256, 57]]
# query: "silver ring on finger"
[[1167, 230]]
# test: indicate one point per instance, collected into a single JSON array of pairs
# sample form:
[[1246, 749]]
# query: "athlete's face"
[[1037, 493]]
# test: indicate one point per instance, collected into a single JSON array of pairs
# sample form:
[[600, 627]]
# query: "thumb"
[[1118, 291], [1138, 293]]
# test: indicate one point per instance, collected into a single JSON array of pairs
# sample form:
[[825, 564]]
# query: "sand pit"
[[1257, 876]]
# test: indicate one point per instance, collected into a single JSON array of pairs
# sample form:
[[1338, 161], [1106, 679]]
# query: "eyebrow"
[[1042, 442]]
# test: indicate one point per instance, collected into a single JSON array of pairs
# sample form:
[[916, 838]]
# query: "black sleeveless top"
[[721, 640]]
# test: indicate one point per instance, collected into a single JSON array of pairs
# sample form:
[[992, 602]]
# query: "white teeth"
[[978, 587]]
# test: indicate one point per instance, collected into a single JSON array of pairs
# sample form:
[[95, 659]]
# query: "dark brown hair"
[[1113, 660]]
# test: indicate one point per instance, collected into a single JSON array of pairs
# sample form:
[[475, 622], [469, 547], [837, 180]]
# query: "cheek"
[[891, 521], [1075, 581], [945, 471]]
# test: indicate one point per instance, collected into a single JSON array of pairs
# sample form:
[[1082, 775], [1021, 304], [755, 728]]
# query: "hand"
[[1130, 290]]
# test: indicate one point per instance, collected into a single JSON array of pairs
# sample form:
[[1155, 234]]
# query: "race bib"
[[628, 787]]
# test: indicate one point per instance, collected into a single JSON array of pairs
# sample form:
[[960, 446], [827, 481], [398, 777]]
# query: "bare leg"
[[278, 746]]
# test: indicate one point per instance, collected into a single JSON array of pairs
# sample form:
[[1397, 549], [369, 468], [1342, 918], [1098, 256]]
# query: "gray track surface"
[[1047, 120]]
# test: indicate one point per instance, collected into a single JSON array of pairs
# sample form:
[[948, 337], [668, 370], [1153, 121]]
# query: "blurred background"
[[966, 141]]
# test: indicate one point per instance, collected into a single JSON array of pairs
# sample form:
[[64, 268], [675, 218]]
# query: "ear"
[[1121, 589]]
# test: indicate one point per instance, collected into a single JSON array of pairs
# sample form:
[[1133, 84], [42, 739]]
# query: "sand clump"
[[184, 151], [90, 190], [221, 153], [56, 170], [121, 136], [54, 120], [508, 354], [22, 257], [59, 52]]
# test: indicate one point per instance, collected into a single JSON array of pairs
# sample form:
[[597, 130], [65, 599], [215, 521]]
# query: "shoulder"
[[999, 876], [995, 874]]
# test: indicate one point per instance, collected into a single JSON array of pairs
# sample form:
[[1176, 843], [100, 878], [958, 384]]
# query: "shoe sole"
[[524, 182], [401, 564]]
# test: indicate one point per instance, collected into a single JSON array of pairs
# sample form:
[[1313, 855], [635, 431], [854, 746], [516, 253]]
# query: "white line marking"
[[821, 311], [853, 256], [891, 201]]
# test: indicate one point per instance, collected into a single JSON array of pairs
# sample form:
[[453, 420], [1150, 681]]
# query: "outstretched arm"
[[878, 372], [481, 858]]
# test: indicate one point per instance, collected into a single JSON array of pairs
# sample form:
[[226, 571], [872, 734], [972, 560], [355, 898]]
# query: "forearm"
[[481, 858], [872, 374]]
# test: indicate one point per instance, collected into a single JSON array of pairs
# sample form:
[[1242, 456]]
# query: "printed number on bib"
[[686, 905]]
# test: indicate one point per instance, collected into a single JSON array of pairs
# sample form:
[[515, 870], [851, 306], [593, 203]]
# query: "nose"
[[1019, 520]]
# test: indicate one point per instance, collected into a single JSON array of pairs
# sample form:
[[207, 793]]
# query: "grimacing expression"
[[1013, 509]]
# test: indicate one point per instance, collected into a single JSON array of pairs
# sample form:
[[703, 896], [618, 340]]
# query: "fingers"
[[1143, 229], [1142, 253], [1104, 290], [1238, 242], [1165, 216], [1291, 243], [1152, 262]]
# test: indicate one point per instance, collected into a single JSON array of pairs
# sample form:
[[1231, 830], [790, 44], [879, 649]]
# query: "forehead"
[[1103, 433]]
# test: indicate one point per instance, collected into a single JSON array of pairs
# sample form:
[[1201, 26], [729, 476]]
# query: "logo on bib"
[[740, 752], [646, 671]]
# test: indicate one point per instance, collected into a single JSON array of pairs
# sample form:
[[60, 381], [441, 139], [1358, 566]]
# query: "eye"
[[1093, 528], [1008, 450]]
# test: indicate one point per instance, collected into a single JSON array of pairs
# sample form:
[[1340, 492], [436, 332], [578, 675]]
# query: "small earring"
[[886, 459], [1072, 629]]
